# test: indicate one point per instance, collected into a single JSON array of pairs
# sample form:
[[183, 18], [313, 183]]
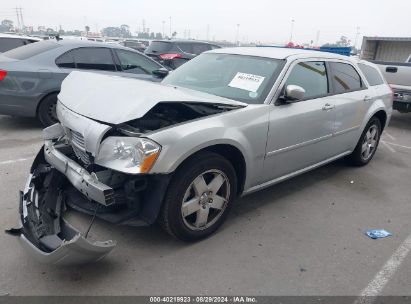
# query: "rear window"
[[159, 47], [345, 78], [186, 47], [7, 44], [199, 48], [31, 50], [373, 76]]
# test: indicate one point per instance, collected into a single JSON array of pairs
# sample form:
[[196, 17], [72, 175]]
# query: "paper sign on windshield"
[[248, 82]]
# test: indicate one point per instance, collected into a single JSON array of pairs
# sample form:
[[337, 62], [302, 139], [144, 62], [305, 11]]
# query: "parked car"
[[174, 53], [31, 76], [398, 75], [228, 123], [9, 42], [135, 45]]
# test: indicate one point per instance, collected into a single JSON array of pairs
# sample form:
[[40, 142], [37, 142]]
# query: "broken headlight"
[[128, 154]]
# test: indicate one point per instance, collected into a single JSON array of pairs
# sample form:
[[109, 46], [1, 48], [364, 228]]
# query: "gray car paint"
[[29, 81], [276, 141]]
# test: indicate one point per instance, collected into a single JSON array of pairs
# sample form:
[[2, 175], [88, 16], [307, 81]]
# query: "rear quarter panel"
[[27, 83], [382, 102]]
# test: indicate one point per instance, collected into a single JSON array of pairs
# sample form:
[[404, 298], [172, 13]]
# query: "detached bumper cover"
[[44, 233], [78, 250]]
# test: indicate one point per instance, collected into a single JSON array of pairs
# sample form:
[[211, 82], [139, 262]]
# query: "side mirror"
[[293, 93], [161, 73]]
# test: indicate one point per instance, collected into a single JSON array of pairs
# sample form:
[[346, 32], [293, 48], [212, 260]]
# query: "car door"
[[352, 100], [300, 132]]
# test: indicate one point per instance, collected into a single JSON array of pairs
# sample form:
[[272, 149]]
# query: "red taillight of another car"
[[3, 74], [170, 56]]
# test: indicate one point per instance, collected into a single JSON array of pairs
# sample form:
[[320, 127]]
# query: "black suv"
[[173, 53]]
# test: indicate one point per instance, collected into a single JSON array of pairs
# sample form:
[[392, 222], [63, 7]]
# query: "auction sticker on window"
[[248, 82]]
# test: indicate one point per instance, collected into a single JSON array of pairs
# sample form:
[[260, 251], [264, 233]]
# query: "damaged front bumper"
[[57, 182], [44, 233]]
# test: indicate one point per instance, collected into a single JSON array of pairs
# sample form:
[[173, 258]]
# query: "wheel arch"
[[230, 153], [43, 98], [382, 117]]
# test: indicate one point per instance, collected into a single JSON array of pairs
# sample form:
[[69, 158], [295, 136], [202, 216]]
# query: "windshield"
[[243, 78]]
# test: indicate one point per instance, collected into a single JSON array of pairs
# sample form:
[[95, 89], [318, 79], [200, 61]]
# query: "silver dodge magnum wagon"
[[226, 124]]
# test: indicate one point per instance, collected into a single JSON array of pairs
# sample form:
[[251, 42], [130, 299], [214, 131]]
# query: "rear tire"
[[199, 197], [47, 110], [367, 144]]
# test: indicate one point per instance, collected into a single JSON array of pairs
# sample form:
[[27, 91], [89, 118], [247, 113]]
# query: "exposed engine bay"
[[171, 113]]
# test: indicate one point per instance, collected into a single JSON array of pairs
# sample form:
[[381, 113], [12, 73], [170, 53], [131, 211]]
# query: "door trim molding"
[[295, 173], [299, 145]]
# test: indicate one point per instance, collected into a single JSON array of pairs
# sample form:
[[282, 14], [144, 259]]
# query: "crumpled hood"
[[114, 99]]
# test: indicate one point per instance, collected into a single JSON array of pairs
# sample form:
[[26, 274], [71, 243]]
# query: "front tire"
[[47, 110], [199, 197], [368, 143]]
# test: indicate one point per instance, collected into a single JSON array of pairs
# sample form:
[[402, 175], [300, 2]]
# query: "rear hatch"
[[157, 48]]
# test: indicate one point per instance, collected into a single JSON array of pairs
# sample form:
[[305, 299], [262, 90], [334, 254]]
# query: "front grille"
[[79, 147]]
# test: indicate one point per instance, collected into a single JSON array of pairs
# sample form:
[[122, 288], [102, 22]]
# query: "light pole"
[[170, 26], [356, 37], [164, 33], [292, 30], [238, 35]]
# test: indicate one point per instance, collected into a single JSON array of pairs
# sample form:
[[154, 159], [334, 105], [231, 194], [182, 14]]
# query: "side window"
[[199, 48], [7, 44], [186, 47], [311, 76], [345, 78], [66, 61], [93, 59], [373, 76], [135, 63]]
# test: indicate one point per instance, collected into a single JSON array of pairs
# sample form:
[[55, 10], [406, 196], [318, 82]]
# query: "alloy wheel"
[[370, 142], [205, 200]]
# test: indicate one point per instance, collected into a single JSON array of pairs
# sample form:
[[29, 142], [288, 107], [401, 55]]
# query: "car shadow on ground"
[[11, 123], [159, 242], [401, 121]]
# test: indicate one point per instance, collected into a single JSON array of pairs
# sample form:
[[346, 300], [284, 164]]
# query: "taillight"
[[170, 56], [3, 74]]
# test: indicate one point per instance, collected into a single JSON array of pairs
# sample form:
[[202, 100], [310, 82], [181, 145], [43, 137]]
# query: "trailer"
[[392, 49]]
